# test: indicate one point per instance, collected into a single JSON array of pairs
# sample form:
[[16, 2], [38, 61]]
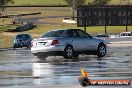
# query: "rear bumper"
[[50, 53], [48, 50]]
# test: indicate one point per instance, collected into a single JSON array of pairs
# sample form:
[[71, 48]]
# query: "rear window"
[[22, 36], [53, 34]]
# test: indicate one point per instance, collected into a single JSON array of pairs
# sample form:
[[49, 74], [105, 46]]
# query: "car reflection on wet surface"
[[20, 69]]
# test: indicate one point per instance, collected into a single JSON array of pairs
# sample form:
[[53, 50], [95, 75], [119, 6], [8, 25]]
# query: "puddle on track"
[[20, 69]]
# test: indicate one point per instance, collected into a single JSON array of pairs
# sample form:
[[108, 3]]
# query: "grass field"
[[7, 40], [39, 2], [59, 2]]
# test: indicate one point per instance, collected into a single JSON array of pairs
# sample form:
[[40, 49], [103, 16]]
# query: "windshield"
[[22, 36], [53, 34]]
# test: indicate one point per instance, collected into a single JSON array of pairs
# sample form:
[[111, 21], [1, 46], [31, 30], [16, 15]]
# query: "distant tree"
[[74, 3], [99, 2], [3, 3]]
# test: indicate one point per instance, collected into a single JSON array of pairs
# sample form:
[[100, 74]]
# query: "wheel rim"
[[69, 52], [102, 50]]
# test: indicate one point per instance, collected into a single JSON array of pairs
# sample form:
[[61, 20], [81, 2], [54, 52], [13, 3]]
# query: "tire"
[[101, 50], [68, 52]]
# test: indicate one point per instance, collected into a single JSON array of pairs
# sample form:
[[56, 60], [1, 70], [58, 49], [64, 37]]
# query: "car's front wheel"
[[69, 52], [101, 50]]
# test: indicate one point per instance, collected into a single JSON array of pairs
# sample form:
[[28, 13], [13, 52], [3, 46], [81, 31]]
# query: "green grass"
[[92, 30], [4, 43], [7, 40], [56, 2], [39, 2], [7, 27], [121, 2], [110, 29]]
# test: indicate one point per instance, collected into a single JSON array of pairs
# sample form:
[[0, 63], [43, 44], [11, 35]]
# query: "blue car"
[[22, 40]]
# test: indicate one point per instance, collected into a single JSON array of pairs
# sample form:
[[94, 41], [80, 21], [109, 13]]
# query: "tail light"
[[55, 42]]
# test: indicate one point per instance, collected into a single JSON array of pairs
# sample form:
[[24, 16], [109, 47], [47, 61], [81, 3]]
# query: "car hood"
[[100, 40]]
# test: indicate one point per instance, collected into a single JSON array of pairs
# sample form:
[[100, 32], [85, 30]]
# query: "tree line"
[[3, 3]]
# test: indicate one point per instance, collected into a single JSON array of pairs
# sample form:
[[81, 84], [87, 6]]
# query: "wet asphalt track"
[[20, 69]]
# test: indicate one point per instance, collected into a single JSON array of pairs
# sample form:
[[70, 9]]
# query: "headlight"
[[15, 41]]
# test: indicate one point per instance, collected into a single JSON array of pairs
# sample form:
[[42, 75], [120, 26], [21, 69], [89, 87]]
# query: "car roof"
[[73, 29], [64, 29], [22, 34]]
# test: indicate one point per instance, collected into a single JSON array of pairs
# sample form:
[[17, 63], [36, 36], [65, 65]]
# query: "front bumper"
[[22, 44]]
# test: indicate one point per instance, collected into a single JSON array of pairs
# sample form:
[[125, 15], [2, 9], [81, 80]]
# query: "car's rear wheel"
[[101, 50], [69, 52]]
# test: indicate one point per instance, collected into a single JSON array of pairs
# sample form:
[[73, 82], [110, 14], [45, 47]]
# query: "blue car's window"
[[22, 36], [72, 33], [82, 34], [53, 34]]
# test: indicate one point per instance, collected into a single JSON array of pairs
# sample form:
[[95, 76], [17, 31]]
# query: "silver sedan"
[[68, 43]]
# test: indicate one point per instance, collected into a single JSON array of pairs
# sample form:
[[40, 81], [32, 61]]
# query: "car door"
[[75, 40], [89, 42]]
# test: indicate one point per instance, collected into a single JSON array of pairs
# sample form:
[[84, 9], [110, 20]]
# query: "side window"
[[82, 34], [72, 33], [69, 33], [75, 34]]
